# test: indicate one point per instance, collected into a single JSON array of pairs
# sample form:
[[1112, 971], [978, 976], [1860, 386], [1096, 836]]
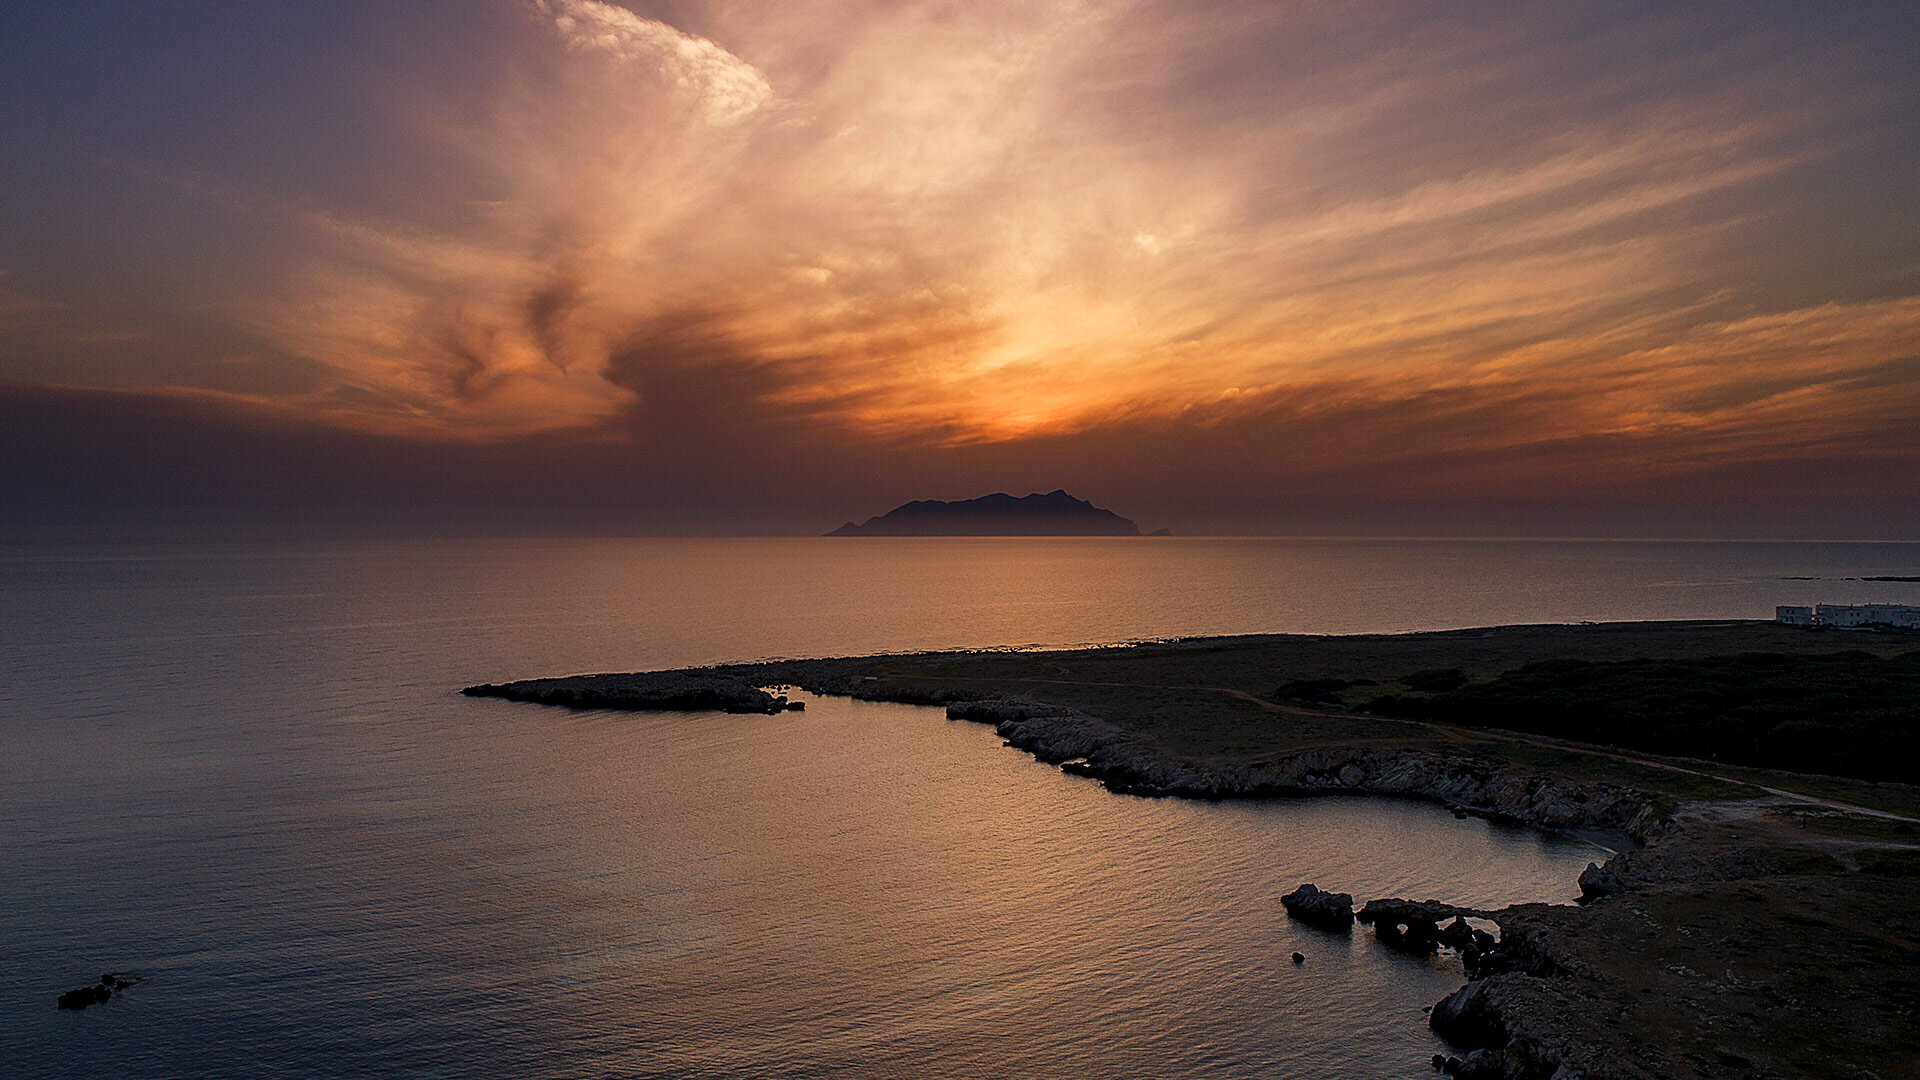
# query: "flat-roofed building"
[[1904, 615]]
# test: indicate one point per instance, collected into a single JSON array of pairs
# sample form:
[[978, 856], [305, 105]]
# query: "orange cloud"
[[941, 225]]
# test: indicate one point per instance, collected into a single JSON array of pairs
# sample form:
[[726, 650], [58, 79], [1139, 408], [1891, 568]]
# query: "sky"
[[1382, 268]]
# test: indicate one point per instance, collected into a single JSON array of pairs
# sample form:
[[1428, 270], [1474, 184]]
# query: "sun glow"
[[922, 224]]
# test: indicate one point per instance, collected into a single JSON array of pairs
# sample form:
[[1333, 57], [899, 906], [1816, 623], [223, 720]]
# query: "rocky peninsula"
[[1757, 922], [663, 691]]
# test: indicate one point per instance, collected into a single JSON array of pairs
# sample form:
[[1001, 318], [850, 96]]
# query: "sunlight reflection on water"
[[244, 771]]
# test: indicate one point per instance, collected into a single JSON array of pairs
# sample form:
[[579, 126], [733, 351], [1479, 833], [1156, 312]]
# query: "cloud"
[[726, 87], [18, 307], [1325, 241]]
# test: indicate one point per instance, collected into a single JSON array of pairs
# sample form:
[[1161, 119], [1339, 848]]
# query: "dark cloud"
[[140, 464]]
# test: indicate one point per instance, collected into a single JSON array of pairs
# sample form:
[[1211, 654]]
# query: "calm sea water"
[[242, 770]]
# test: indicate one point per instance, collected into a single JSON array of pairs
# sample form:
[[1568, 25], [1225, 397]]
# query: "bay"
[[242, 769]]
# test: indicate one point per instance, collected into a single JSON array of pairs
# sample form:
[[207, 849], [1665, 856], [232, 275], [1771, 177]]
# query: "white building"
[[1903, 615]]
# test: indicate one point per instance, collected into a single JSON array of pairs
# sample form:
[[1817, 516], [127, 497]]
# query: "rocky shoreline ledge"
[[642, 691], [1468, 784]]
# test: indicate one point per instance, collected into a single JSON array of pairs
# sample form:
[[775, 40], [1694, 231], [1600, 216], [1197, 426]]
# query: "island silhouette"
[[1054, 514]]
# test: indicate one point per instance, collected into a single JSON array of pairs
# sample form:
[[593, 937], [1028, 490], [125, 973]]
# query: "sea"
[[243, 771]]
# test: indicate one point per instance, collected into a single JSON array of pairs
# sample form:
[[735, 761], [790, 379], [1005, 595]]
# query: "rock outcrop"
[[1327, 910], [1597, 881], [1414, 925], [110, 984], [1470, 1017], [1487, 1016], [84, 996]]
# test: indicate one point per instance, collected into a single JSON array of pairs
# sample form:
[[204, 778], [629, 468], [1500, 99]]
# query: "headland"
[[1757, 921]]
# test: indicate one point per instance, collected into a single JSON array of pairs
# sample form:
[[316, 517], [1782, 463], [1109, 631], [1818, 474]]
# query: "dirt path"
[[1790, 796], [1579, 748]]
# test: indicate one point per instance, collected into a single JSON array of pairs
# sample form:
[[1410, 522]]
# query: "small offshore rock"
[[1439, 1061], [1299, 958], [83, 997], [1329, 911]]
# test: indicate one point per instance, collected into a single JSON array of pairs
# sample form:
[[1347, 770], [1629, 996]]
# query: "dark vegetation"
[[1437, 680], [1317, 691], [1846, 713]]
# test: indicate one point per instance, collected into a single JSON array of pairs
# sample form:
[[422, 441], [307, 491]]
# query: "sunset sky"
[[1367, 267]]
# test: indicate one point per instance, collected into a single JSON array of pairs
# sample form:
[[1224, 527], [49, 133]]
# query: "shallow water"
[[243, 771]]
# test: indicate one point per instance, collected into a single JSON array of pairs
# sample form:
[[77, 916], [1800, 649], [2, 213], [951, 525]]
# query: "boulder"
[[1597, 881], [1482, 1065], [1470, 1017], [1329, 911]]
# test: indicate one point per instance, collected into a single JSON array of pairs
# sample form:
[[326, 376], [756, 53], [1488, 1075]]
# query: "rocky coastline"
[[1487, 1018], [1545, 997], [1130, 764], [1706, 948], [1510, 1021]]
